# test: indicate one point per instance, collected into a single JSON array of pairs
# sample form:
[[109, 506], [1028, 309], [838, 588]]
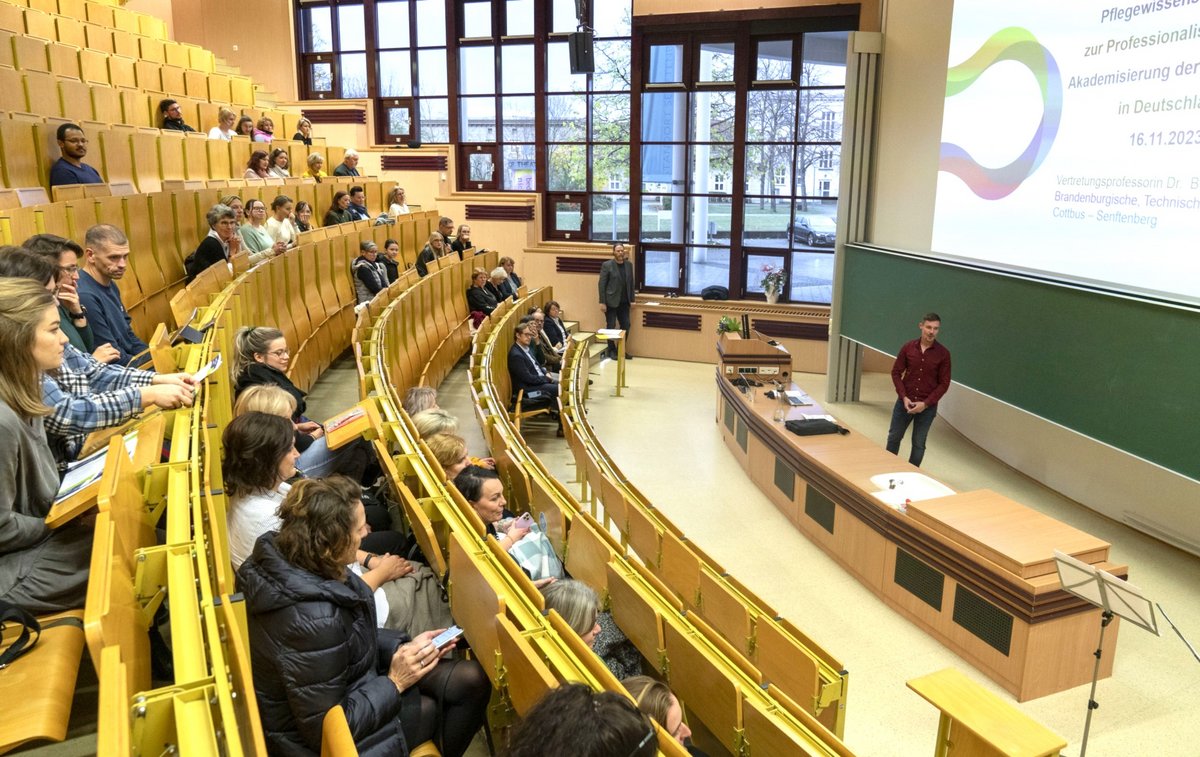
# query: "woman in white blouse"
[[280, 225], [226, 118], [256, 167], [396, 203]]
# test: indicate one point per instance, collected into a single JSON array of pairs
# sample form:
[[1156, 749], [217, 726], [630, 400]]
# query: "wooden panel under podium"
[[974, 569]]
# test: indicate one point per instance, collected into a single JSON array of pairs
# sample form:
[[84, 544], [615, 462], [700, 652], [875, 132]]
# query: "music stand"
[[1113, 596]]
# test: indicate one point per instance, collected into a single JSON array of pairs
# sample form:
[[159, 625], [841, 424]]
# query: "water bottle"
[[904, 507]]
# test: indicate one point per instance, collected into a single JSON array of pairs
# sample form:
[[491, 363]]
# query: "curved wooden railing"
[[782, 653], [746, 711]]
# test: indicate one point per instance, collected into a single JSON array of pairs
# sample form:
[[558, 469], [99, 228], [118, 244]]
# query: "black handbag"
[[30, 631], [814, 427]]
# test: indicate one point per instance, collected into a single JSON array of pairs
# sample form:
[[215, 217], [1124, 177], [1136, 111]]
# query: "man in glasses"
[[70, 168]]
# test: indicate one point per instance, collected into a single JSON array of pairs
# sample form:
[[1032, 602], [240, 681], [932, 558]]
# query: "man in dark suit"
[[616, 295], [526, 373]]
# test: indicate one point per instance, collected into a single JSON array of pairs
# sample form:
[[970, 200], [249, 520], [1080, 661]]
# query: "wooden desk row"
[[973, 569]]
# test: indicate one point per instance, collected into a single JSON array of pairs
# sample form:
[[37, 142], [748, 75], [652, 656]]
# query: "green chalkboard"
[[1120, 369]]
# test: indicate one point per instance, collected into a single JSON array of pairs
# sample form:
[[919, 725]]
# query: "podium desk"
[[975, 569], [976, 723]]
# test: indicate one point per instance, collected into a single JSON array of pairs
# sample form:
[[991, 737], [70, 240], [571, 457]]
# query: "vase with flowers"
[[772, 282]]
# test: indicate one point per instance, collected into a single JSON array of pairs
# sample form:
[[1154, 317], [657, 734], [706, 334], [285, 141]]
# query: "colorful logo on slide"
[[1015, 44]]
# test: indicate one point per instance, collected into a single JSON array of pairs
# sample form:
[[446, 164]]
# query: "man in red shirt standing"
[[921, 374]]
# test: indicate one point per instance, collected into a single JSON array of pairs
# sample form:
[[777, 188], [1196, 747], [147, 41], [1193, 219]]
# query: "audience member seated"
[[433, 249], [450, 450], [553, 328], [446, 229], [394, 692], [106, 257], [245, 127], [316, 162], [495, 284], [480, 301], [261, 357], [171, 116], [255, 235], [434, 421], [235, 202], [303, 132], [579, 606], [226, 118], [221, 244], [257, 167], [396, 204], [420, 398], [484, 492], [462, 240], [278, 163], [304, 213], [526, 372], [358, 204], [264, 130], [70, 168], [574, 721], [370, 277], [513, 282], [338, 212], [543, 351], [349, 164], [41, 570], [391, 260], [656, 700], [72, 319], [280, 225], [259, 457], [84, 394]]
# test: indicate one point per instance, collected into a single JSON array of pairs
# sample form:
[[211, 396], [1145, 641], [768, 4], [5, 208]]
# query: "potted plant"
[[728, 324], [772, 282]]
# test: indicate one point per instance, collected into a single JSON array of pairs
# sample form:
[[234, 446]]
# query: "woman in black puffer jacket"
[[314, 641]]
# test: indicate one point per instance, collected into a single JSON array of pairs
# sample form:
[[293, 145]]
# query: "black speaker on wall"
[[580, 45]]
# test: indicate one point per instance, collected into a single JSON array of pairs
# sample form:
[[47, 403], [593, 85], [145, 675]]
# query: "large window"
[[765, 108], [715, 147]]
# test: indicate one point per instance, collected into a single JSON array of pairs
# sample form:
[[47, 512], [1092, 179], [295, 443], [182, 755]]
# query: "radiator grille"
[[785, 479], [922, 581], [982, 618], [820, 508]]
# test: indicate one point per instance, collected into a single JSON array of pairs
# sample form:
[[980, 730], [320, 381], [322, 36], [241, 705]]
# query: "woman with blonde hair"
[[41, 570], [434, 421], [303, 132], [654, 698], [226, 118], [450, 450], [315, 161], [396, 204]]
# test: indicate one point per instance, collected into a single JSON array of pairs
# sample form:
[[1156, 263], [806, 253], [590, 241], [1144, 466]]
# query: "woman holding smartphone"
[[397, 692]]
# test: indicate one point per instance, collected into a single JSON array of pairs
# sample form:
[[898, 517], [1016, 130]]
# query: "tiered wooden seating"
[[785, 657]]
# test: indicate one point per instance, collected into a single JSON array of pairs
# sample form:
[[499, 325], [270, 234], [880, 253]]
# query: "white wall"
[[912, 91]]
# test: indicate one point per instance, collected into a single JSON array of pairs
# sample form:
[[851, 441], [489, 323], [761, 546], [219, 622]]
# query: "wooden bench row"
[[147, 158], [721, 679], [819, 683]]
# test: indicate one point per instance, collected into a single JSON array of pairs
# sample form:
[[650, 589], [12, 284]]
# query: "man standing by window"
[[921, 374], [616, 295]]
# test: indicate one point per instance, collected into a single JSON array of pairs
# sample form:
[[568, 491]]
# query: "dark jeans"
[[921, 422], [614, 316]]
